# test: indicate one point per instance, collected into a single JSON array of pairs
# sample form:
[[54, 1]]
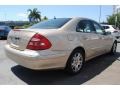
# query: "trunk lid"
[[19, 38]]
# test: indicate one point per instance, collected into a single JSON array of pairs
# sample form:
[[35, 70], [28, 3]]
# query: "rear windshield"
[[51, 24]]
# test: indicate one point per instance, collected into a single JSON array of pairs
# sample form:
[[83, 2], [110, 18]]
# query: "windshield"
[[51, 24]]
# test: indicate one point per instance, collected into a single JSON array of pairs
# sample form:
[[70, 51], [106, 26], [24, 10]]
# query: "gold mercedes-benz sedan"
[[59, 43]]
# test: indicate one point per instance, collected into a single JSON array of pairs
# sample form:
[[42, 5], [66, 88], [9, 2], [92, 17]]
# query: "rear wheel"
[[75, 62], [114, 47]]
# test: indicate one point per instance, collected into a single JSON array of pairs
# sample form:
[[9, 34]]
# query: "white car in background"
[[59, 43], [112, 30]]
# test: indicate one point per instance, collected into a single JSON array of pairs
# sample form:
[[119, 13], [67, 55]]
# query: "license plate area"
[[15, 39], [19, 39]]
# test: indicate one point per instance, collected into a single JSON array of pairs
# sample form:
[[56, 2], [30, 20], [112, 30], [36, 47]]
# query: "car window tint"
[[98, 28], [106, 27], [51, 24], [84, 26]]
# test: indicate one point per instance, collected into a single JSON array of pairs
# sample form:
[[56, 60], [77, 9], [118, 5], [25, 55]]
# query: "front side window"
[[84, 26], [51, 24]]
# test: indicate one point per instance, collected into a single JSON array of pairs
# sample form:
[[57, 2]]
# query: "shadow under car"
[[58, 77]]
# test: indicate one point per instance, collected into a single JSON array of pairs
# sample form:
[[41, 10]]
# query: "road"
[[101, 70]]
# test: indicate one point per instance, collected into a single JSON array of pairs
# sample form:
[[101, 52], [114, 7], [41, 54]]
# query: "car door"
[[104, 40], [88, 37]]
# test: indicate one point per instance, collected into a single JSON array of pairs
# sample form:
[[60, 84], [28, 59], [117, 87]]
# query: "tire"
[[75, 62], [113, 49]]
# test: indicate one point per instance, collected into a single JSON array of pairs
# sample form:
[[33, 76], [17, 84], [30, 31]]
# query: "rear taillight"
[[39, 42]]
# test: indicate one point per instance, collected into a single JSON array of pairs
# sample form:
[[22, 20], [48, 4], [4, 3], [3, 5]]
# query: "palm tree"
[[34, 15]]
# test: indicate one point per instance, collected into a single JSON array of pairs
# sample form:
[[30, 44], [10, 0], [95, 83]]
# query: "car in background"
[[64, 43], [4, 30], [112, 30]]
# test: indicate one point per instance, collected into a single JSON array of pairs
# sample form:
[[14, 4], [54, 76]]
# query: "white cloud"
[[22, 15]]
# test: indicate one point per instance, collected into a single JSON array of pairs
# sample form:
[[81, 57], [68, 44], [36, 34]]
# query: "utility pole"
[[5, 16], [100, 13], [116, 21]]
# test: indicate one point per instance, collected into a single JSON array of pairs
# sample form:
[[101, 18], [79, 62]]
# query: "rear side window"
[[98, 28], [105, 27], [51, 24], [85, 26]]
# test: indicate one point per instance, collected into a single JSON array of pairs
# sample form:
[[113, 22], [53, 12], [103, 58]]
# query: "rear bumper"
[[36, 59]]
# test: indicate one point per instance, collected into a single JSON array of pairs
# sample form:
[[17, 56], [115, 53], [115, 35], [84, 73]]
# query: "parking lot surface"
[[101, 70]]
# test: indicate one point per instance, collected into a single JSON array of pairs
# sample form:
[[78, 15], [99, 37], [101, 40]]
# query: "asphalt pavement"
[[103, 70]]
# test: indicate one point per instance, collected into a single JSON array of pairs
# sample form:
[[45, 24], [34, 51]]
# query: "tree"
[[114, 20], [34, 15], [45, 18]]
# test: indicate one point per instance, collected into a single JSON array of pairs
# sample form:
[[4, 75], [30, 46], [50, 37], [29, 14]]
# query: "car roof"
[[83, 18]]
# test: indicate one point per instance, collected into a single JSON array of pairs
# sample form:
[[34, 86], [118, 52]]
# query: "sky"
[[19, 12]]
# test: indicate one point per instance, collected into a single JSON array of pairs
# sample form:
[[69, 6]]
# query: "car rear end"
[[33, 50], [37, 48]]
